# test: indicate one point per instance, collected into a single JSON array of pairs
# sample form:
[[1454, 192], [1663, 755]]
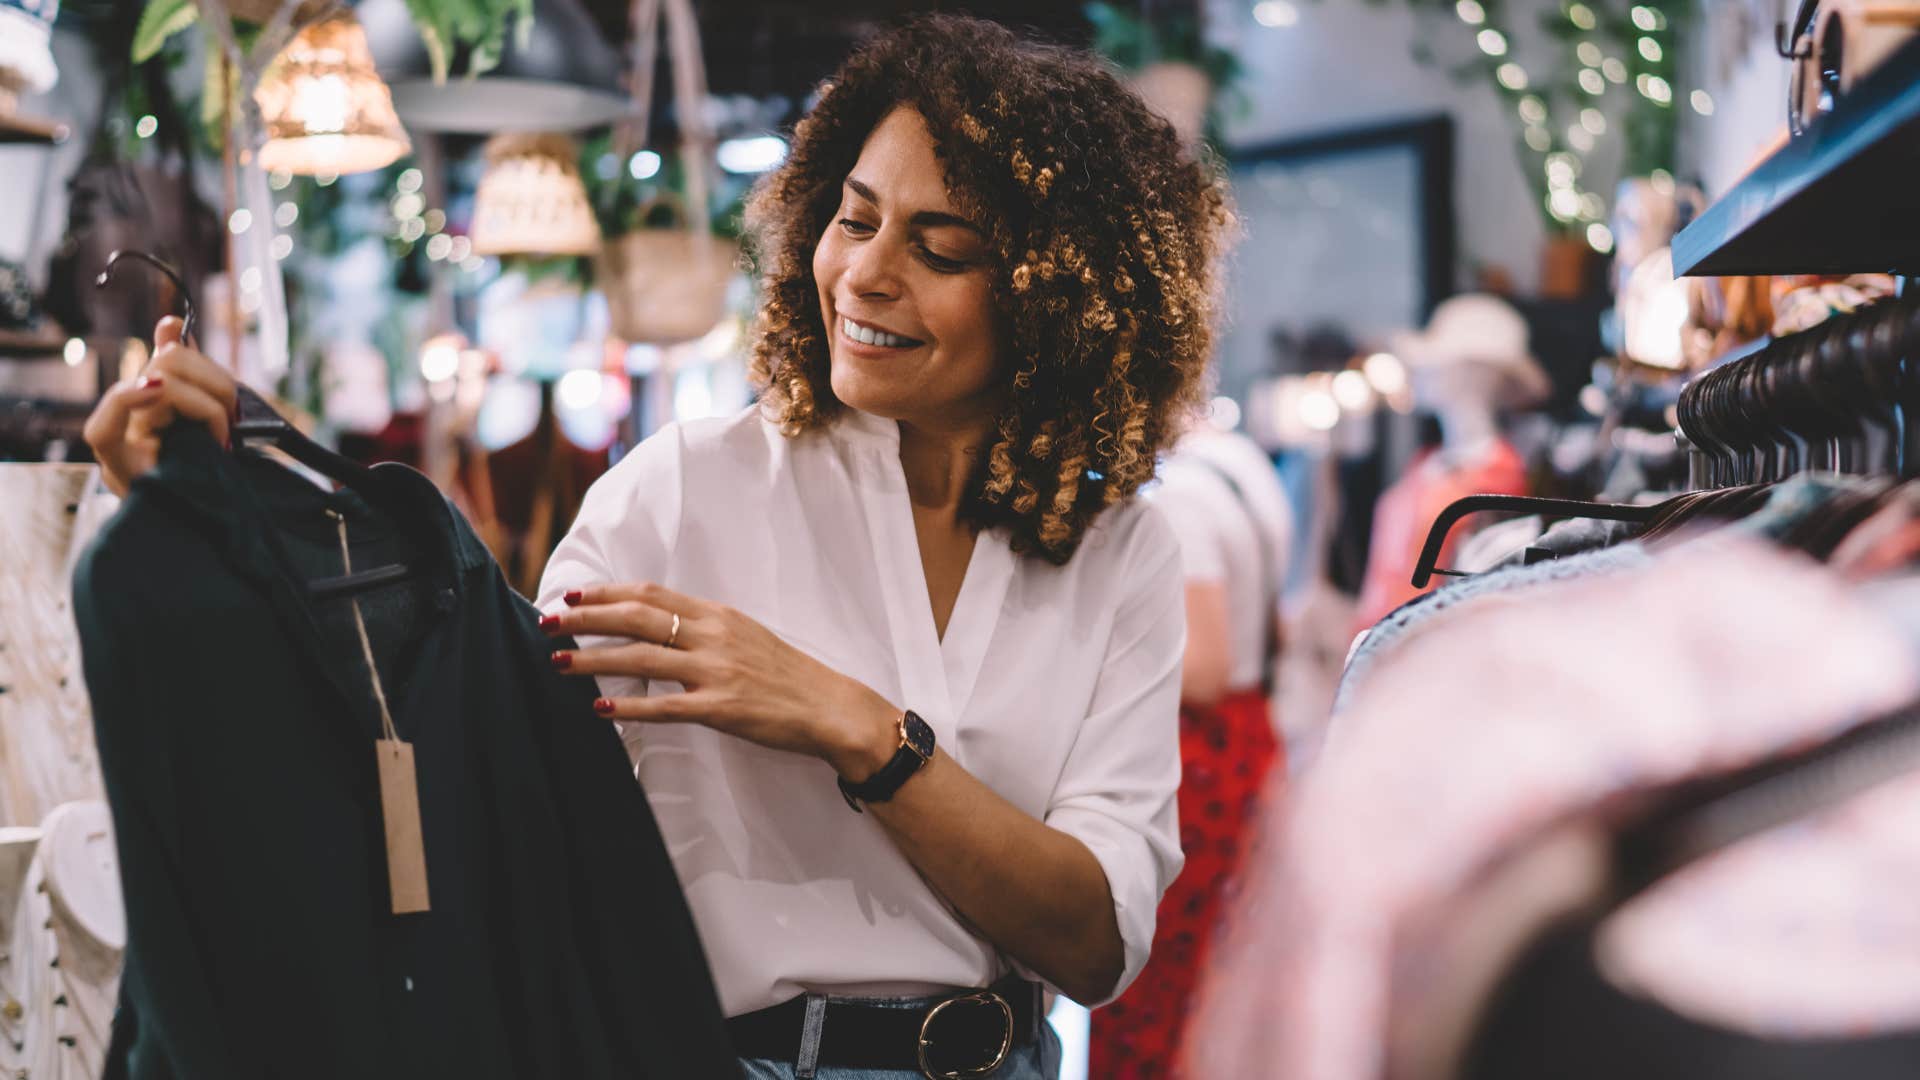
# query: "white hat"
[[1478, 328]]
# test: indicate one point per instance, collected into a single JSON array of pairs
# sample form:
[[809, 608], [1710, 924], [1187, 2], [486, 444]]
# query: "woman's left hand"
[[740, 677]]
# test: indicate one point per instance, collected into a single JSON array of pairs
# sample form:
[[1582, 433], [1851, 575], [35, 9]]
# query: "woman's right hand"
[[179, 382]]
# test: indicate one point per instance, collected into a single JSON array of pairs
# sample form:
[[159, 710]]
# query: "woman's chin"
[[878, 396]]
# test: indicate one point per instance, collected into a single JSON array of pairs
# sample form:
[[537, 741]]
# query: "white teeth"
[[873, 337]]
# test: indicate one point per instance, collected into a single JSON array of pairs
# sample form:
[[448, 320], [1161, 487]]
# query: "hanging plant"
[[475, 30], [1142, 45]]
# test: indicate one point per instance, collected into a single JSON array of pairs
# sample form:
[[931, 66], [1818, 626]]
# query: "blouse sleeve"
[[624, 533], [626, 526], [1116, 792]]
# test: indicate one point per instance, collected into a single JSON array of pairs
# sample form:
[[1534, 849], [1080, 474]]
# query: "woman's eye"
[[855, 227], [940, 263]]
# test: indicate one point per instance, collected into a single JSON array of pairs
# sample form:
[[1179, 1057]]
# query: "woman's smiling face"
[[906, 288]]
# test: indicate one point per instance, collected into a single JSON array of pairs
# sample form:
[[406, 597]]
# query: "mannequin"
[[1470, 363]]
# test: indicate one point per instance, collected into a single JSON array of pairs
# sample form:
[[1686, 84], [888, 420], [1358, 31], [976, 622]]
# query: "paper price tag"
[[400, 807]]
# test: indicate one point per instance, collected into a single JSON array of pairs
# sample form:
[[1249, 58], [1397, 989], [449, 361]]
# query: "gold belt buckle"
[[982, 997]]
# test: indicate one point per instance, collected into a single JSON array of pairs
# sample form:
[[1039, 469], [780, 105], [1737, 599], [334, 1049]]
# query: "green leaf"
[[160, 20]]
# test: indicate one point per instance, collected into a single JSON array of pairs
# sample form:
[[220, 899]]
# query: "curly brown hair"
[[1106, 234]]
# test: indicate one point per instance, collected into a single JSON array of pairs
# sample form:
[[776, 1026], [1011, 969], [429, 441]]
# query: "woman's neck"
[[939, 463]]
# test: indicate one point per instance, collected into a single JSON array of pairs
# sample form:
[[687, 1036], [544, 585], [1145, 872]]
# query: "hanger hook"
[[166, 269]]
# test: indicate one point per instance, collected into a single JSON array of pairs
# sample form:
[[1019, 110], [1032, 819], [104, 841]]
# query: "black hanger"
[[255, 421], [1424, 570]]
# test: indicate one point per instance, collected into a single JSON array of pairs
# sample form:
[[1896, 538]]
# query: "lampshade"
[[531, 201], [26, 56], [565, 78], [325, 108]]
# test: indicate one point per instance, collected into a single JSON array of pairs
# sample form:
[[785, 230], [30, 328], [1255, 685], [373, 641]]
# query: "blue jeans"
[[1039, 1060]]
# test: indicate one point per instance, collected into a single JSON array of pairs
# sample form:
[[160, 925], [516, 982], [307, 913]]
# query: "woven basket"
[[669, 285], [665, 285]]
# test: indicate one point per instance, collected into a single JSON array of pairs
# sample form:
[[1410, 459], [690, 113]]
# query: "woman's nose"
[[872, 268]]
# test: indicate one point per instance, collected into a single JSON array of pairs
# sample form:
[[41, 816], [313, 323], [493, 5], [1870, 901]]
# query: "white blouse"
[[1058, 687]]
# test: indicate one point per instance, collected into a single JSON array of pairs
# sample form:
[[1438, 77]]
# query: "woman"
[[897, 654]]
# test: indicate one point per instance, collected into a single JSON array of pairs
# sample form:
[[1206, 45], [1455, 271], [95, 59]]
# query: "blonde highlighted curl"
[[1107, 232]]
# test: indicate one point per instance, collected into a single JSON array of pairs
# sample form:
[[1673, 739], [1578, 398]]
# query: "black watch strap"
[[916, 749]]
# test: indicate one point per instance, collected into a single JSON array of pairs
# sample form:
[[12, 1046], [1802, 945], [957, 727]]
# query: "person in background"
[[1230, 513]]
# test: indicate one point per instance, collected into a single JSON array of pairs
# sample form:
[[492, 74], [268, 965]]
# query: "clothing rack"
[[1840, 397]]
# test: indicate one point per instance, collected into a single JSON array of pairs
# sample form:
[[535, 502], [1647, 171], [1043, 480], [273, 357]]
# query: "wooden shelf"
[[1842, 198], [47, 343], [15, 128]]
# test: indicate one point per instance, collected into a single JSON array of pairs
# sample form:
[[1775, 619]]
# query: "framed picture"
[[1345, 234]]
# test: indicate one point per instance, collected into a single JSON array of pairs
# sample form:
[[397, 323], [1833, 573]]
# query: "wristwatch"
[[916, 749]]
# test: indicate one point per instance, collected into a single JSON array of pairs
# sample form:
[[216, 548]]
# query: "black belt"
[[967, 1034]]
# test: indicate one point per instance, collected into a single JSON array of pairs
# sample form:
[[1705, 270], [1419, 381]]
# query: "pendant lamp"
[[531, 200], [324, 106], [26, 67], [26, 53], [559, 74]]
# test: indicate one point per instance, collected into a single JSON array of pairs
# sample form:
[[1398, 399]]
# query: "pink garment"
[[1406, 512], [1472, 742]]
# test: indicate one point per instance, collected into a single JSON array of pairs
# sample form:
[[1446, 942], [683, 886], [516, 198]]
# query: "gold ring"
[[673, 635]]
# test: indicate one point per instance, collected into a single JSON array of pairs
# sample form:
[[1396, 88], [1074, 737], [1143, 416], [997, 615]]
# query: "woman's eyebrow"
[[925, 219]]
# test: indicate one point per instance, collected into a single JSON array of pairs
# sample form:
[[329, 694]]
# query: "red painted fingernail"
[[152, 382], [549, 623], [562, 661], [603, 706], [572, 598]]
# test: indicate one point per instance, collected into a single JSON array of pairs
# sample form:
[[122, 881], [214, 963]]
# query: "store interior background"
[[1317, 75]]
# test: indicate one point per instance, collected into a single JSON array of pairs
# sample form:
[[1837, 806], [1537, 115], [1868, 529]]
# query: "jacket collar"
[[195, 472]]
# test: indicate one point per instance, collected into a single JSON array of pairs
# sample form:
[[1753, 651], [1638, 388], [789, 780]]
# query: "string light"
[[286, 214], [1648, 19], [75, 352], [646, 163], [1662, 181], [282, 246], [1563, 204], [146, 126], [1579, 138], [278, 181], [1615, 69], [1538, 139], [439, 247], [1512, 76], [1561, 171], [1594, 121], [1591, 82], [1655, 89], [460, 250], [1533, 109], [1702, 102], [1492, 42], [1650, 49], [413, 229], [1592, 206], [1470, 12], [326, 179], [1600, 238], [408, 206], [240, 221], [409, 181], [436, 220], [1582, 16], [1589, 54]]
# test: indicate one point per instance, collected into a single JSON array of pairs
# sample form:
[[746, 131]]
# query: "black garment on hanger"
[[236, 731]]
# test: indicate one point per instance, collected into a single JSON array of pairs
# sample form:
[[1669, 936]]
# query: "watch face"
[[917, 733]]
